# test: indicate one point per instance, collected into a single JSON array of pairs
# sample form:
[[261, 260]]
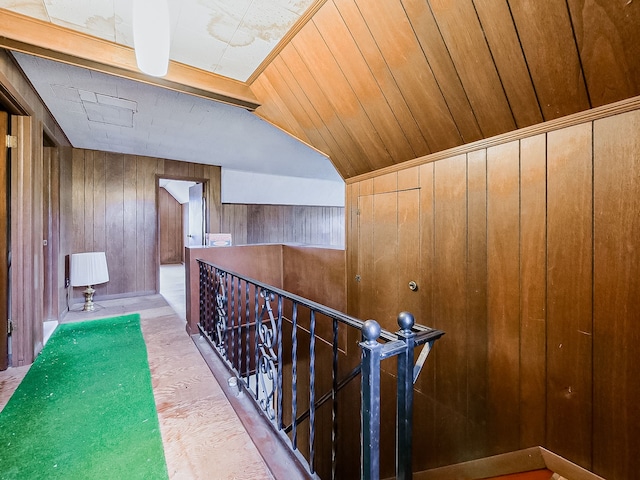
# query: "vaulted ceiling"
[[376, 83]]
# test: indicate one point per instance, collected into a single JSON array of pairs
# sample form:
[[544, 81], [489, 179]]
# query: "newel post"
[[370, 397], [404, 412]]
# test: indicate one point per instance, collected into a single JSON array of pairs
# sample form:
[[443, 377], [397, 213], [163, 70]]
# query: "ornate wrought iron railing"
[[292, 356]]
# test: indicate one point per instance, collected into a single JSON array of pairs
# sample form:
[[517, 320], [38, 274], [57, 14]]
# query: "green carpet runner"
[[85, 409]]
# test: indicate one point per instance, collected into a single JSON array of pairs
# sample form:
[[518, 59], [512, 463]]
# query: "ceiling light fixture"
[[151, 36]]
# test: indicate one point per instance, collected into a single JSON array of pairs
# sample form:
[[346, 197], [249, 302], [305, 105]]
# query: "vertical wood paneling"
[[309, 86], [130, 220], [606, 33], [27, 276], [366, 309], [408, 262], [502, 38], [312, 225], [340, 95], [98, 193], [518, 345], [343, 47], [35, 190], [450, 236], [616, 349], [51, 233], [5, 195], [89, 220], [114, 208], [171, 238], [124, 214], [319, 133], [77, 194], [569, 298], [554, 65], [382, 74], [352, 234], [151, 169], [290, 110], [461, 30], [503, 297], [532, 291], [426, 442], [385, 258], [390, 26], [476, 303], [439, 58]]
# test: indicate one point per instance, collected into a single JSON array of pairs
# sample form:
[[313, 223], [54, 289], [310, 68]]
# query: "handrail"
[[244, 321]]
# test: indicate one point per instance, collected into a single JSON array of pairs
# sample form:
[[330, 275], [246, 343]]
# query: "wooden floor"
[[202, 435]]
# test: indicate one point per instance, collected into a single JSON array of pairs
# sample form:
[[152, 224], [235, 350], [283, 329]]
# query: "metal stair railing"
[[238, 320]]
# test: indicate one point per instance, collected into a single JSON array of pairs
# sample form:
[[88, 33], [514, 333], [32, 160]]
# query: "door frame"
[[162, 176]]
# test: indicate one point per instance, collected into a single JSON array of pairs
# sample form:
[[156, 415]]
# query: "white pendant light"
[[151, 32]]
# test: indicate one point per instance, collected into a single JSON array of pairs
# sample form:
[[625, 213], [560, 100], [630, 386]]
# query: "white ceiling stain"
[[228, 37]]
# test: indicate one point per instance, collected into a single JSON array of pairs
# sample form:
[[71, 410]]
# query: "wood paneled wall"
[[115, 210], [5, 209], [171, 228], [527, 255], [250, 224], [27, 289]]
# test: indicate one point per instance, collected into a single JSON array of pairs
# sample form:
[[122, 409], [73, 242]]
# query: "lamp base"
[[88, 299]]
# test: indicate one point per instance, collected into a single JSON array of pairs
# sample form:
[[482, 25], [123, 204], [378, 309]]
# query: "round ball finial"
[[406, 321], [371, 331]]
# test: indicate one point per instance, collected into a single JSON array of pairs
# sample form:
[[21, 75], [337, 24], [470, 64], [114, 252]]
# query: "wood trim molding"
[[597, 113], [534, 458], [46, 40]]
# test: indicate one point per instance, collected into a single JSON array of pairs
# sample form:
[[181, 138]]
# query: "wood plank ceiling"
[[375, 83]]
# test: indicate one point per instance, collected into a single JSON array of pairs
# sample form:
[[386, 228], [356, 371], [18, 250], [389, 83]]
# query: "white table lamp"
[[88, 269]]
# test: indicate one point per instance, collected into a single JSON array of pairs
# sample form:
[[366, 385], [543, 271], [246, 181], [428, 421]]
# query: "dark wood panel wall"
[[115, 209], [527, 254], [27, 279], [312, 225], [171, 228]]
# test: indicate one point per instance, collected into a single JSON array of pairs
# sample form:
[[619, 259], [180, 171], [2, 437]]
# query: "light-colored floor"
[[202, 435], [172, 287]]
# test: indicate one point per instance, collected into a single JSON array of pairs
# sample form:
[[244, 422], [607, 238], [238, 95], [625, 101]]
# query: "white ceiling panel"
[[103, 112]]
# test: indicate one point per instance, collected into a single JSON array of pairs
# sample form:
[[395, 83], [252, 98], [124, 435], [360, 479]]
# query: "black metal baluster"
[[312, 391], [203, 292], [228, 319], [279, 367], [238, 365], [370, 409], [294, 375], [232, 318], [247, 343], [404, 416], [258, 320]]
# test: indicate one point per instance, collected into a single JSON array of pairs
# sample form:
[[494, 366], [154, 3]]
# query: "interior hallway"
[[202, 435]]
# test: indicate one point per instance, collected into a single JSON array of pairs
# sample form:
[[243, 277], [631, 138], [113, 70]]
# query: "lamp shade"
[[151, 36], [88, 268]]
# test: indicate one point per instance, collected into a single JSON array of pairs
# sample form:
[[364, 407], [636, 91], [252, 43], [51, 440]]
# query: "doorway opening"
[[181, 222]]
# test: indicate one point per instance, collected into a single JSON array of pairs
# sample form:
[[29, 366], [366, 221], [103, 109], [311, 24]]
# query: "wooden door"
[[389, 257], [4, 242], [196, 214]]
